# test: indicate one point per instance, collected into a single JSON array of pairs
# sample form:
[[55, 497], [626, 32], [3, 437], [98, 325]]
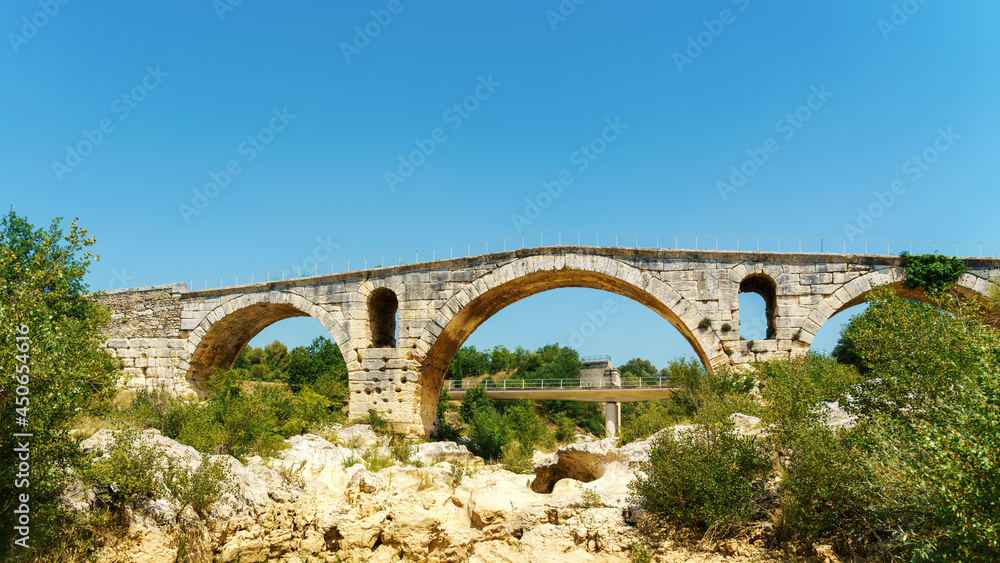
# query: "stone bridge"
[[172, 338]]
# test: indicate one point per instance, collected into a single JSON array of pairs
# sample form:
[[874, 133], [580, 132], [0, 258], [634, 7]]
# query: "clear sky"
[[197, 138]]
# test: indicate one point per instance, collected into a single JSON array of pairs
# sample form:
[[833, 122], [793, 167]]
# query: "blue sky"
[[301, 116]]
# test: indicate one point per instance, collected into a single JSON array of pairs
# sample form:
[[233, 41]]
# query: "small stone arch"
[[225, 330], [378, 306], [383, 307], [763, 285], [855, 292]]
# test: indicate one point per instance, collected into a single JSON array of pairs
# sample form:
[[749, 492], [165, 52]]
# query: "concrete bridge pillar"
[[612, 418]]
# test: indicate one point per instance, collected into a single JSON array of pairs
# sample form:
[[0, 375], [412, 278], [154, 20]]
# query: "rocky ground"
[[309, 505]]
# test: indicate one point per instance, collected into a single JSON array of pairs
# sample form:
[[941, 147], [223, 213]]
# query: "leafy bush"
[[955, 466], [127, 470], [641, 420], [517, 457], [200, 487], [639, 553], [133, 467], [793, 389], [445, 431], [523, 421], [918, 474], [475, 400], [488, 433], [590, 497], [565, 429], [705, 323], [708, 478], [333, 386], [238, 418], [845, 489], [933, 272], [700, 388]]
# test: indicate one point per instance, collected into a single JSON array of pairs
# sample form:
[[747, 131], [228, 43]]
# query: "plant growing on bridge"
[[933, 272]]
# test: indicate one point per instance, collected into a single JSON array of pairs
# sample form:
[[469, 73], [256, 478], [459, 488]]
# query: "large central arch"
[[223, 332], [492, 292]]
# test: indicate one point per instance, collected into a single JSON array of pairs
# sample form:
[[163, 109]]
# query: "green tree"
[[793, 390], [275, 355], [558, 362], [475, 400], [637, 367], [303, 368], [501, 359], [915, 357], [468, 362], [488, 433], [69, 374], [328, 354]]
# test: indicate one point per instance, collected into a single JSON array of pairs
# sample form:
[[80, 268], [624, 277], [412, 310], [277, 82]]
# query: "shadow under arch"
[[967, 287], [479, 308], [217, 341]]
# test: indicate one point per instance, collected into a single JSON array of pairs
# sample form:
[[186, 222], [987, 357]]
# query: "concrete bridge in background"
[[173, 337], [611, 393]]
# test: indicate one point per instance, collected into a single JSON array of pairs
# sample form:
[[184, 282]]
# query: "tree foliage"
[[71, 375]]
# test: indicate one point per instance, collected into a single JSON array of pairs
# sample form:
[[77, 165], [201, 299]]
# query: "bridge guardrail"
[[573, 383], [880, 247]]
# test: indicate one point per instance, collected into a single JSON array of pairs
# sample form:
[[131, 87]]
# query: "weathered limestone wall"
[[173, 338], [145, 334]]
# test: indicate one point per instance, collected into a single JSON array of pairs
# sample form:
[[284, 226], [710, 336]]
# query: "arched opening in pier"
[[758, 299]]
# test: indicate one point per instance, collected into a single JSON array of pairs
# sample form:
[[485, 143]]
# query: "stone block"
[[813, 279]]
